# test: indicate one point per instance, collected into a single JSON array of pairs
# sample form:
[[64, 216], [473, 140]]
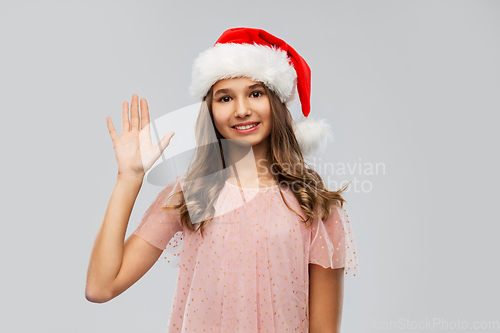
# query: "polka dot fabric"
[[162, 228], [250, 271], [332, 242]]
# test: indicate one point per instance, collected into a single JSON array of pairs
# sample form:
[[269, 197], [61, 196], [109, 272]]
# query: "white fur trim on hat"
[[257, 62], [312, 135]]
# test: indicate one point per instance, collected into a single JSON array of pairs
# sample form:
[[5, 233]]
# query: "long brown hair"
[[207, 170]]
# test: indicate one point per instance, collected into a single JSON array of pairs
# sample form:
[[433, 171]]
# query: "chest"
[[260, 230]]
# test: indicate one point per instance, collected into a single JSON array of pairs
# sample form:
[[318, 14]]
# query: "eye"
[[222, 98], [257, 92]]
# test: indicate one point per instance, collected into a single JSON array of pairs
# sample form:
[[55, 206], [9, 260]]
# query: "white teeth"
[[245, 127]]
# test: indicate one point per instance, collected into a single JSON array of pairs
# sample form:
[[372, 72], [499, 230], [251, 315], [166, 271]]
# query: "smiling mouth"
[[246, 126]]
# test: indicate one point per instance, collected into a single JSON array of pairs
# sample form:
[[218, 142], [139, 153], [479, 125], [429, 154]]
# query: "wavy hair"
[[207, 170]]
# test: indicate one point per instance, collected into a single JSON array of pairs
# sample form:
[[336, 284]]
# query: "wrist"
[[134, 177]]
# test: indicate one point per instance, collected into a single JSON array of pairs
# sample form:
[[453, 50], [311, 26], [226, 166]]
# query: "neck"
[[250, 162]]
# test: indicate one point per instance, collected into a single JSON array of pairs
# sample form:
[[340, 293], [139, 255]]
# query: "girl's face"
[[242, 102]]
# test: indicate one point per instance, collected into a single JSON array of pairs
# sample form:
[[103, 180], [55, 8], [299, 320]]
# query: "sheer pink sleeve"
[[332, 242], [163, 228]]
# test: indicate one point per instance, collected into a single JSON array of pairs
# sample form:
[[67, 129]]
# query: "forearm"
[[107, 252]]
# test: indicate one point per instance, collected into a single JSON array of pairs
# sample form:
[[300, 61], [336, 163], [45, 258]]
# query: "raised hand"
[[134, 150]]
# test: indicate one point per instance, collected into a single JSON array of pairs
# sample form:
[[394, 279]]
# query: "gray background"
[[409, 84]]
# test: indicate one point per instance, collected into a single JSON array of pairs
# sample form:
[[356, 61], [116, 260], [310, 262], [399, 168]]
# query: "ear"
[[312, 135]]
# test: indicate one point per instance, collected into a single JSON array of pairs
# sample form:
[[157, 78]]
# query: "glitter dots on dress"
[[251, 269]]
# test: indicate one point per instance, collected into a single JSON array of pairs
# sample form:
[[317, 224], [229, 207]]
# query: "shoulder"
[[173, 191]]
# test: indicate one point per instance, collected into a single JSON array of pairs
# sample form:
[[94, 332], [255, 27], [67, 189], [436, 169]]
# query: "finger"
[[165, 141], [134, 113], [144, 113], [111, 128], [125, 122]]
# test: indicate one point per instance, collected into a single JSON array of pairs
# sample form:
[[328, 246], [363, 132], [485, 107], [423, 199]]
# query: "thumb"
[[165, 141]]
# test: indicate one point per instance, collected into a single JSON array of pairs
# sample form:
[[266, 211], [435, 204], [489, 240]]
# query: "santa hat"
[[260, 56]]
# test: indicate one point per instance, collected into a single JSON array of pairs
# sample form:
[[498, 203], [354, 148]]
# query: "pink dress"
[[250, 272]]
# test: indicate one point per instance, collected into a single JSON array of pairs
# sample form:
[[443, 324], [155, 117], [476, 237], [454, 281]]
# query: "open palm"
[[134, 150]]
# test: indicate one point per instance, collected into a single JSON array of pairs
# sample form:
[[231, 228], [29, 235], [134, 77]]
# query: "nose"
[[242, 108]]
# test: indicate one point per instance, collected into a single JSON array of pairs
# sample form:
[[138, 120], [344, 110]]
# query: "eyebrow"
[[227, 90]]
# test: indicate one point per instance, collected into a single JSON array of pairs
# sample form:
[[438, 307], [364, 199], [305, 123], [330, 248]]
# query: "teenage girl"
[[264, 246]]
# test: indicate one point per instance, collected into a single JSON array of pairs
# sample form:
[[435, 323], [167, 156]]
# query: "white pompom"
[[312, 135]]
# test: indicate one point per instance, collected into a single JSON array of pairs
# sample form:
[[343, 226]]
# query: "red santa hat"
[[260, 56]]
